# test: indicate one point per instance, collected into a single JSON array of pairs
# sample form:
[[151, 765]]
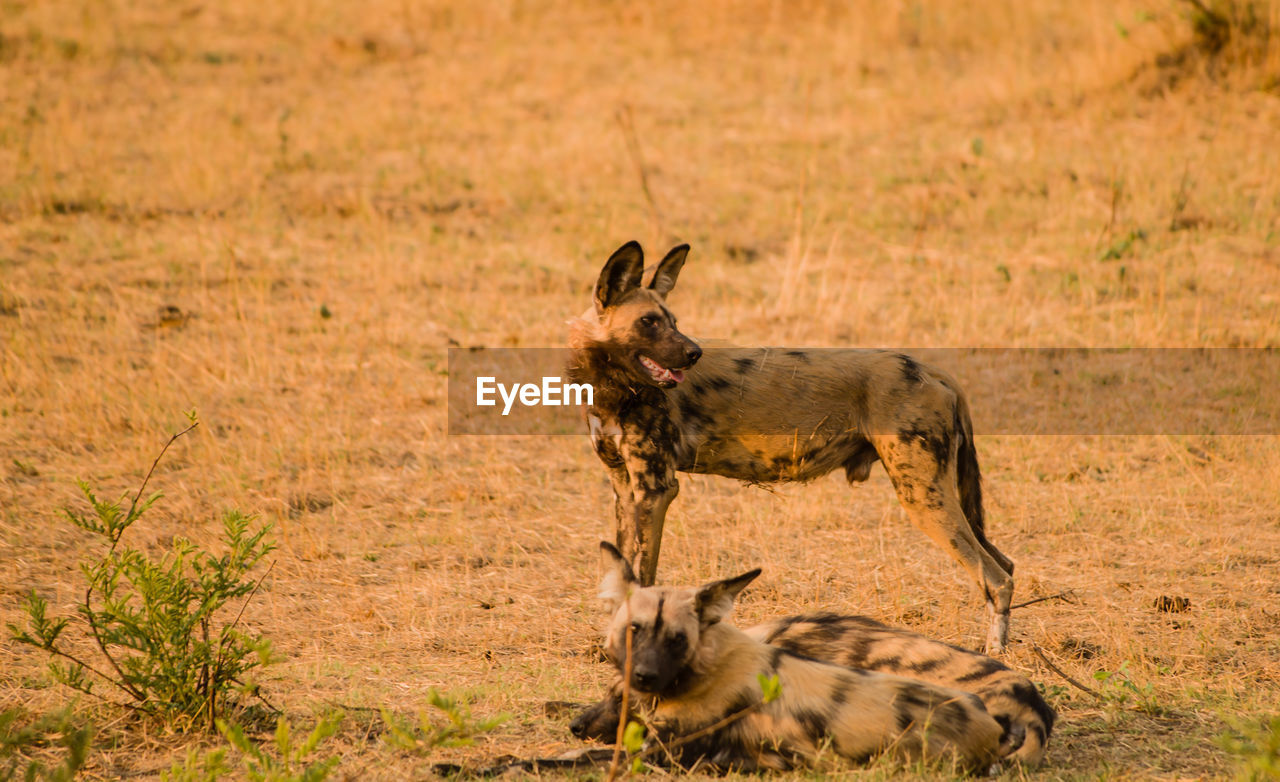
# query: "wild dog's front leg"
[[600, 720], [624, 510], [642, 510], [641, 504]]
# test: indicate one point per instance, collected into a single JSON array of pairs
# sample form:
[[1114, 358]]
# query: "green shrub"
[[291, 764], [1258, 747], [287, 764], [1229, 34], [1118, 689], [156, 625], [198, 767], [457, 729], [18, 737]]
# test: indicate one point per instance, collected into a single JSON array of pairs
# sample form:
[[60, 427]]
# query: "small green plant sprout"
[[159, 627], [633, 742], [1257, 745], [770, 687], [290, 763], [20, 736], [457, 729], [633, 737], [1123, 246], [634, 734], [1119, 689], [198, 767], [1052, 692]]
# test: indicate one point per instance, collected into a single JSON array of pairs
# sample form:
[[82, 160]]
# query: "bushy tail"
[[1034, 746], [1027, 722]]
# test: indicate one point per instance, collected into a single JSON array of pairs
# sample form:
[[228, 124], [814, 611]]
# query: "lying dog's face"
[[635, 324], [664, 636], [666, 624]]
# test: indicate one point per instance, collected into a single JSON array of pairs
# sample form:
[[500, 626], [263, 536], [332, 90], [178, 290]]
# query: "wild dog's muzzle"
[[671, 375]]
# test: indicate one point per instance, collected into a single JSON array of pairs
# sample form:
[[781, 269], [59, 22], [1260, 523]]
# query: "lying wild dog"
[[694, 679], [859, 642], [765, 415]]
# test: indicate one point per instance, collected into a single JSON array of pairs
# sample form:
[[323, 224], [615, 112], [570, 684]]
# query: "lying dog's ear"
[[619, 579], [715, 600], [620, 275], [664, 279]]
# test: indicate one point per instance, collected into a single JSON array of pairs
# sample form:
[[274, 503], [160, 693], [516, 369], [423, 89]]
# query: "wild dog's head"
[[668, 624], [635, 325]]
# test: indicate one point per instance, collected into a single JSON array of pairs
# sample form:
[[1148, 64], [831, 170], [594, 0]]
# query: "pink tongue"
[[676, 375]]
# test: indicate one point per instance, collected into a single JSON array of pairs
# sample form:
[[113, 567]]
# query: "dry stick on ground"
[[217, 667], [697, 734], [1061, 595], [1181, 456], [1117, 189], [1040, 653], [923, 224], [628, 125], [622, 709]]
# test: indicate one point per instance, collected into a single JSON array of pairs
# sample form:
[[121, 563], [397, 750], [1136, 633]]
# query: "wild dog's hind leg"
[[1005, 563], [928, 490]]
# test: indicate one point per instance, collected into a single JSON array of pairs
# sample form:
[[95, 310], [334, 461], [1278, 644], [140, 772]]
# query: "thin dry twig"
[[627, 123], [137, 694], [154, 464], [720, 724], [217, 665], [622, 710], [1066, 596], [1040, 653], [349, 707]]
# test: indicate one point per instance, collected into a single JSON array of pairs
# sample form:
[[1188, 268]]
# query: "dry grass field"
[[282, 214]]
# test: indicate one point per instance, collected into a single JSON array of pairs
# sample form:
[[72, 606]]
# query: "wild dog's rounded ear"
[[621, 274], [664, 279], [619, 578], [715, 600]]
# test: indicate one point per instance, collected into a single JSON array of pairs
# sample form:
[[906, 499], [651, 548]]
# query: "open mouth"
[[661, 374]]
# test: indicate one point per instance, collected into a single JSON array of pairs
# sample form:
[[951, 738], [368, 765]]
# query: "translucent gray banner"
[[1057, 391]]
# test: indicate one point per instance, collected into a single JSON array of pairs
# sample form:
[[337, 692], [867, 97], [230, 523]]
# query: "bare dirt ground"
[[282, 214]]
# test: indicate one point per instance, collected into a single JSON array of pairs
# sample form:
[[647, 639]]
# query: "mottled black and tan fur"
[[690, 670], [859, 642], [764, 415]]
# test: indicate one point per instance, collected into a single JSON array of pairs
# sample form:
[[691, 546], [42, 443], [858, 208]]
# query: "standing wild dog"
[[696, 682], [858, 642], [766, 414]]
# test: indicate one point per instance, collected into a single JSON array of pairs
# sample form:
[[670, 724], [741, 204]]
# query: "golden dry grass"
[[908, 175]]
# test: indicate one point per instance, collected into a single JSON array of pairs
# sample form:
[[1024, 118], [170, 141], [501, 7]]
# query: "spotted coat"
[[764, 415]]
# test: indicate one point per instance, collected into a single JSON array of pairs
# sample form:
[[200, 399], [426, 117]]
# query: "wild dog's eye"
[[636, 628], [649, 321], [677, 642]]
